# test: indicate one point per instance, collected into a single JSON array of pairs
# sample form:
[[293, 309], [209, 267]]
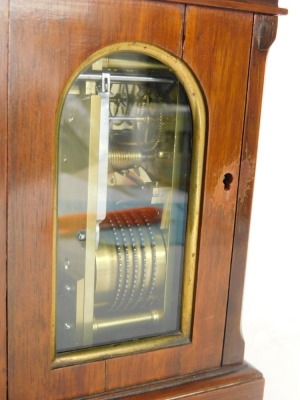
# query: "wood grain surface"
[[239, 383], [3, 189], [264, 33], [269, 7], [223, 75]]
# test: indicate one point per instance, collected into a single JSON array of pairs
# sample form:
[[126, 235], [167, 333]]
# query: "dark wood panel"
[[48, 41], [223, 41], [262, 6], [264, 33], [3, 176]]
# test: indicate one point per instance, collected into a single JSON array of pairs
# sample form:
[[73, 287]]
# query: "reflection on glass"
[[123, 166]]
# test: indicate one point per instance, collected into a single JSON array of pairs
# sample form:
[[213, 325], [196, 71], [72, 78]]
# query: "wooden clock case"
[[225, 44]]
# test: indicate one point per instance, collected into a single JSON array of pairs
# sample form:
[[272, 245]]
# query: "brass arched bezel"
[[198, 110]]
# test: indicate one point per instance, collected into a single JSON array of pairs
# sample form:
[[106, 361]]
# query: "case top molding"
[[269, 7]]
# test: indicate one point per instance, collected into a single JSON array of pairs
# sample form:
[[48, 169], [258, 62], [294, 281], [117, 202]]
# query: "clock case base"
[[239, 382]]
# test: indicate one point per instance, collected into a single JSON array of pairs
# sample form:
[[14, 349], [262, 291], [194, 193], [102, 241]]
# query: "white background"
[[271, 309]]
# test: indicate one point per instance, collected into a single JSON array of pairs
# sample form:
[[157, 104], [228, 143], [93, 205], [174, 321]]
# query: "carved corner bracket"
[[265, 28]]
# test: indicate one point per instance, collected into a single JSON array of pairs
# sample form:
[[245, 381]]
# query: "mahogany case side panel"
[[264, 33]]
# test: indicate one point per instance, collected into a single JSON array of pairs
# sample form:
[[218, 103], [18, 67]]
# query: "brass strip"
[[90, 257]]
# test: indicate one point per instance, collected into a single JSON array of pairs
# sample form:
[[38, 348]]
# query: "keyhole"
[[227, 181]]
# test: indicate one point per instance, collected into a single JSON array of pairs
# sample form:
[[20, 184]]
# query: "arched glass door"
[[126, 128]]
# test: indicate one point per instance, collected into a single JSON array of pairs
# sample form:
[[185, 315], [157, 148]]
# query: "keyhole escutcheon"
[[227, 181]]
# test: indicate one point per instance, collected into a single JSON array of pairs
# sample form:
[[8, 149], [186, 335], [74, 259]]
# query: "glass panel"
[[125, 137]]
